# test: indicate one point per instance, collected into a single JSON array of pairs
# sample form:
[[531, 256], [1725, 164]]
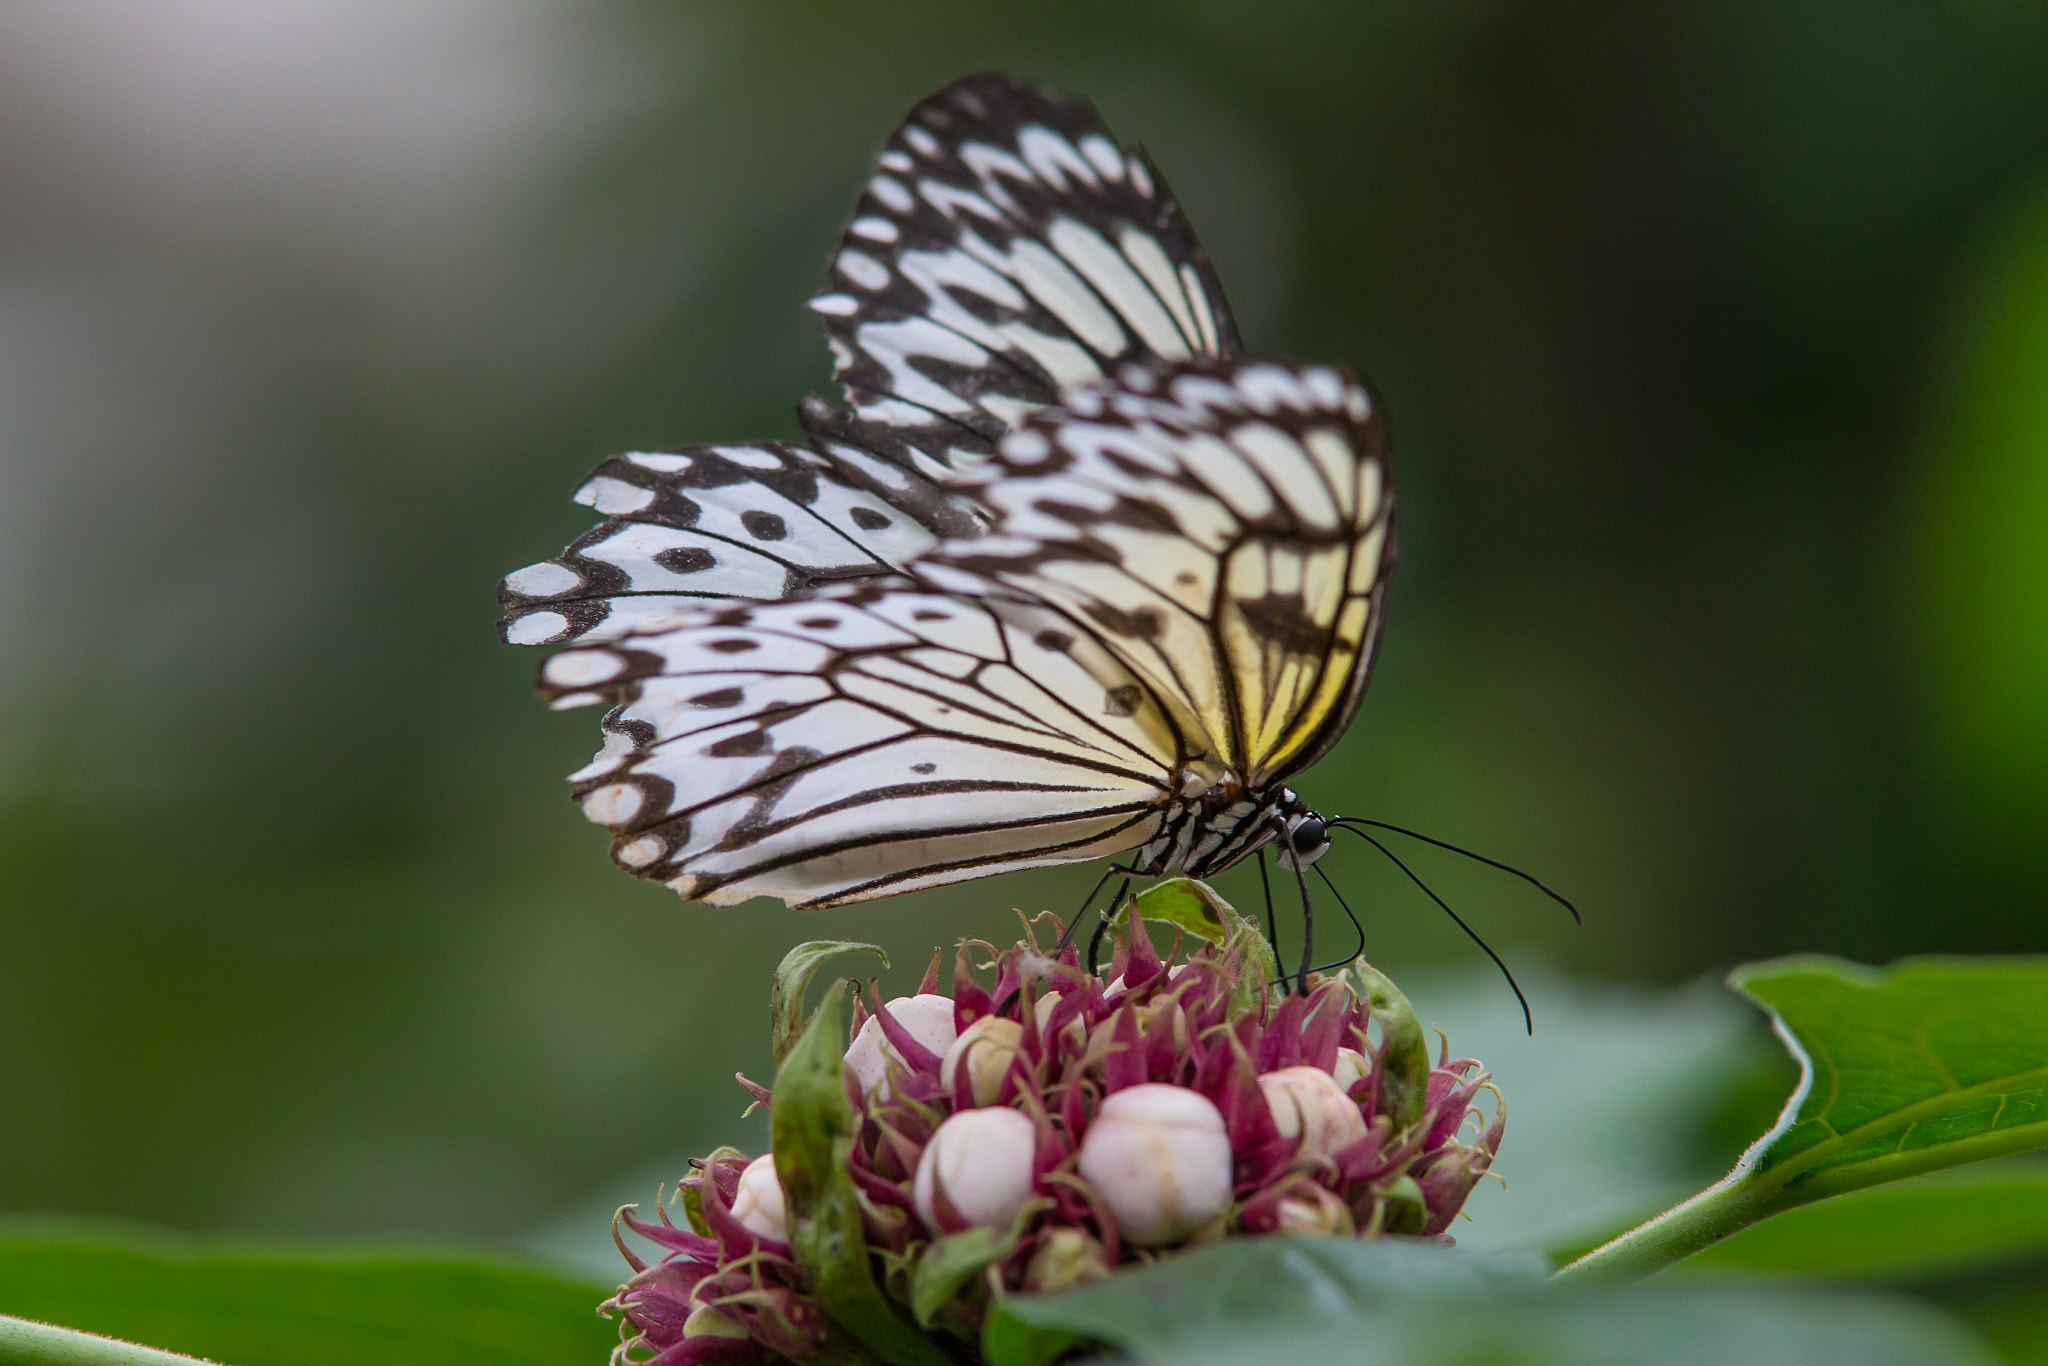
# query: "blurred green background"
[[1714, 340]]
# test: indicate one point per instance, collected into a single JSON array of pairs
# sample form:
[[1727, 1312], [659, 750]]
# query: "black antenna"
[[1528, 1020], [1529, 878], [1338, 962]]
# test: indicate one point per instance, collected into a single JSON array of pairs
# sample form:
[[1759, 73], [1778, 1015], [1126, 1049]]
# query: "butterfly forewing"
[[1004, 251], [1225, 530], [865, 741], [752, 522]]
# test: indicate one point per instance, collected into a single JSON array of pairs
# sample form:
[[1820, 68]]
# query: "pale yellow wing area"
[[1226, 528]]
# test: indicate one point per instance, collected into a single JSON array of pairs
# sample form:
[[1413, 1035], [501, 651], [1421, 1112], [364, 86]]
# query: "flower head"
[[1073, 1123]]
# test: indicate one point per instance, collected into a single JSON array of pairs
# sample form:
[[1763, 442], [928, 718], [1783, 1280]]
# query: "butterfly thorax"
[[1213, 829]]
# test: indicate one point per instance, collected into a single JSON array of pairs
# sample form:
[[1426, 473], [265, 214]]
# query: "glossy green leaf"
[[793, 982], [1926, 1065], [1193, 906], [812, 1126], [1248, 1302], [1938, 1225], [256, 1305]]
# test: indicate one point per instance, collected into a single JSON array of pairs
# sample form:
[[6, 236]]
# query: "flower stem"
[[1674, 1235], [25, 1343]]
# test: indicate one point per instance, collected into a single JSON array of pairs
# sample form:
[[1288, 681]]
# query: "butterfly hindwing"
[[1004, 251], [1225, 529], [863, 741]]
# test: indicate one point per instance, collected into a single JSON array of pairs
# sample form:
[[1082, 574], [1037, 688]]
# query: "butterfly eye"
[[1309, 836]]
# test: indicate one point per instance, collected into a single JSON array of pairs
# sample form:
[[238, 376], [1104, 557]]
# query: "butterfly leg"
[[1308, 933], [1067, 935]]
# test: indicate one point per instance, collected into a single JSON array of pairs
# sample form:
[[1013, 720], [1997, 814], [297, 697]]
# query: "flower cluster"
[[1038, 1132]]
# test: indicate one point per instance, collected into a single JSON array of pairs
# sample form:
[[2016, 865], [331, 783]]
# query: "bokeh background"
[[1715, 343]]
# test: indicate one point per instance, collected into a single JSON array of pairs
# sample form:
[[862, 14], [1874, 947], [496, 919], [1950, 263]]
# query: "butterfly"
[[1068, 575]]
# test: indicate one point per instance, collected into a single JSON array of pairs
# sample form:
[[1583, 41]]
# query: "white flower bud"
[[1352, 1067], [986, 1049], [1041, 1011], [1307, 1104], [757, 1204], [978, 1165], [928, 1019], [1159, 1156]]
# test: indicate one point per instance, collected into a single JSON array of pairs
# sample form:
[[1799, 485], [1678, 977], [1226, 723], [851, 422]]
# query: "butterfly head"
[[1305, 836]]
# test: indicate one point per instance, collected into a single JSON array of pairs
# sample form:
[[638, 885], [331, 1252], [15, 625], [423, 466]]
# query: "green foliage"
[[949, 1262], [793, 982], [1929, 1064], [1193, 905], [1404, 1053], [1937, 1225], [812, 1124], [254, 1305], [1309, 1300]]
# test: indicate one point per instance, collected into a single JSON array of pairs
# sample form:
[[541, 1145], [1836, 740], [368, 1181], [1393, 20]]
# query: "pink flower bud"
[[1159, 1157], [976, 1170], [1352, 1067], [985, 1050], [757, 1204], [1308, 1104], [929, 1019]]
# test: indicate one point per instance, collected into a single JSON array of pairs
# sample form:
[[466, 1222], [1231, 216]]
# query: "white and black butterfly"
[[1070, 576]]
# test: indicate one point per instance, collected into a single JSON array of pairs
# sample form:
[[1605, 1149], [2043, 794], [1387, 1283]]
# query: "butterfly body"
[[1070, 577]]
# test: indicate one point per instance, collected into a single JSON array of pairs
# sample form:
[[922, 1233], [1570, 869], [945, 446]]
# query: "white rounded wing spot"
[[536, 627], [614, 804], [543, 580], [582, 668], [614, 497]]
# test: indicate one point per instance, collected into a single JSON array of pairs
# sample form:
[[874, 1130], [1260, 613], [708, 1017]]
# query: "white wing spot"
[[835, 305], [874, 229], [863, 270], [581, 668], [641, 852], [1052, 156], [1103, 153], [1026, 447], [752, 457], [544, 580], [1141, 179], [892, 193], [661, 462], [535, 627], [614, 497], [924, 142], [613, 804], [894, 160]]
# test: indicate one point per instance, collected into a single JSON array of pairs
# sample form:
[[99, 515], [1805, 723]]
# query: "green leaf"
[[812, 1127], [793, 982], [1007, 1340], [254, 1304], [1929, 1064], [948, 1263], [41, 1344], [1404, 1053], [1307, 1300], [1938, 1225], [1195, 906], [1183, 901]]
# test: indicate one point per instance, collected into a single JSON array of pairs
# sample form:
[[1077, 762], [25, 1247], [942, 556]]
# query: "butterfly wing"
[[1004, 251], [869, 739], [1225, 529], [711, 524]]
